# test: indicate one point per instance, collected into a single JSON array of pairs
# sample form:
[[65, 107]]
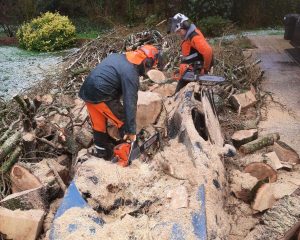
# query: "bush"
[[263, 13], [213, 26], [49, 32]]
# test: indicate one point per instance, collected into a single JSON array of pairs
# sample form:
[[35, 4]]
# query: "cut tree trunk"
[[30, 199], [259, 143], [261, 171], [22, 179], [283, 215], [187, 123], [29, 143]]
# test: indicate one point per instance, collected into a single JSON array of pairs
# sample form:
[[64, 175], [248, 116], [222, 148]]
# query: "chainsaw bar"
[[136, 150], [190, 76]]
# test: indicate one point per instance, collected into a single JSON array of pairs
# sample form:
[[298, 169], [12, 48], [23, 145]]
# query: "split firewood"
[[243, 101], [261, 171], [264, 198], [259, 143], [285, 153], [8, 146], [242, 184]]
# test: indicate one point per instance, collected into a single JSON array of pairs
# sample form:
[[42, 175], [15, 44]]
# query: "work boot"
[[103, 146], [100, 152]]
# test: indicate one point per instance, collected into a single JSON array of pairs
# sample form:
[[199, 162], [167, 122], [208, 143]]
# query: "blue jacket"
[[113, 77]]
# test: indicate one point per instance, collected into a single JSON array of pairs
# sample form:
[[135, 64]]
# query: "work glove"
[[129, 137]]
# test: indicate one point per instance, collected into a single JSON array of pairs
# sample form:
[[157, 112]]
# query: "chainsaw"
[[192, 73], [125, 153]]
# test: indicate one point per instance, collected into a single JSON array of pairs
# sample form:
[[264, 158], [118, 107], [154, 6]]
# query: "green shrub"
[[197, 9], [49, 32], [213, 26]]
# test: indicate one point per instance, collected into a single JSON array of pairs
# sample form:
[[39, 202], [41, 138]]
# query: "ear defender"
[[148, 62], [185, 24]]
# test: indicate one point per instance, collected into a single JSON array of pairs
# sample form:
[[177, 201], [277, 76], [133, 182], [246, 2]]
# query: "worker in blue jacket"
[[116, 77]]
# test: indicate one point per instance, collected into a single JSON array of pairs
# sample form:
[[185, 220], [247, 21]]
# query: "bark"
[[8, 146], [13, 158]]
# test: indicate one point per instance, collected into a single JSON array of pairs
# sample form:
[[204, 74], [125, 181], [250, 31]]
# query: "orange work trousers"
[[99, 114]]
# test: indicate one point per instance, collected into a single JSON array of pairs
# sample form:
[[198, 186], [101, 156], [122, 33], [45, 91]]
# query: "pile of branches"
[[240, 71], [79, 63]]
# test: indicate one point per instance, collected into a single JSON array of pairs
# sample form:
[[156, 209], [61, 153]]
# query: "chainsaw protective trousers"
[[100, 113]]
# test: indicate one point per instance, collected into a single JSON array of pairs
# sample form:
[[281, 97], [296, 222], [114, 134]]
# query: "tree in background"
[[197, 9]]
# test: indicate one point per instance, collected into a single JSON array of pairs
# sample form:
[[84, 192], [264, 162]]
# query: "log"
[[244, 136], [29, 143], [44, 173], [156, 76], [21, 225], [243, 101], [9, 130], [259, 143], [13, 158], [8, 146], [261, 171], [22, 179], [275, 223], [30, 199]]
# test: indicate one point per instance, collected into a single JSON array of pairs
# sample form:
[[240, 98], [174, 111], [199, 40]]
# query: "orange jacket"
[[198, 43]]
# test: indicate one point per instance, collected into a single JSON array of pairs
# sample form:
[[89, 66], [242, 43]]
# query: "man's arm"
[[130, 85], [201, 45]]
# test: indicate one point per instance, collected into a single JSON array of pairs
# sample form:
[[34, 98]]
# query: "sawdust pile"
[[145, 201]]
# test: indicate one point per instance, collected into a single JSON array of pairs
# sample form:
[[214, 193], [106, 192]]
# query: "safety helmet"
[[177, 22], [147, 54]]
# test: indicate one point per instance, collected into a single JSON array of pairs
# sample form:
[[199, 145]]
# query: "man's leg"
[[118, 110], [99, 113]]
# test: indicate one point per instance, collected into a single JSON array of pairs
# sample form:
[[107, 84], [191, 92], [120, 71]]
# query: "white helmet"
[[177, 22]]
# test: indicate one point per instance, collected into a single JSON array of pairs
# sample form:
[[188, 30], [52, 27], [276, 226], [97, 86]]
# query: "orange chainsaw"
[[125, 153]]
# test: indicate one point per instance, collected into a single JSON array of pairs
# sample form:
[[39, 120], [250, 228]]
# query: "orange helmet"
[[148, 54]]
